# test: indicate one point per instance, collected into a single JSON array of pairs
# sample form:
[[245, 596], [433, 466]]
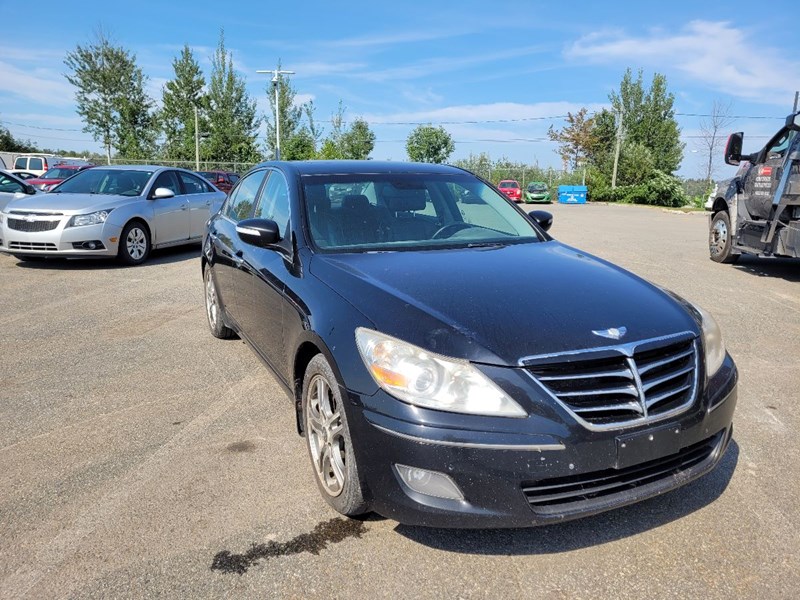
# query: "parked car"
[[38, 164], [119, 211], [418, 398], [511, 189], [13, 188], [537, 192], [222, 179], [56, 175]]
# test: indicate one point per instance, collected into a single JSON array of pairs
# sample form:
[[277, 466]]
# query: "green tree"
[[358, 141], [8, 143], [648, 118], [232, 121], [179, 98], [332, 145], [575, 140], [110, 95], [427, 143]]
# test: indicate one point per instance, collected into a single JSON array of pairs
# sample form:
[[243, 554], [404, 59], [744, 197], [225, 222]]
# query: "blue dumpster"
[[572, 194]]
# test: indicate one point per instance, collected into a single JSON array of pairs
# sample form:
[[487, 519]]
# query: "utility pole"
[[276, 73], [616, 152], [196, 141], [796, 98]]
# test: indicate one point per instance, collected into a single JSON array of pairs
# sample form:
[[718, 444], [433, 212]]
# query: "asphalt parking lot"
[[140, 457]]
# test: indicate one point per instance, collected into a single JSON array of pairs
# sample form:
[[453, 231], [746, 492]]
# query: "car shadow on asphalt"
[[589, 531], [157, 257], [782, 268]]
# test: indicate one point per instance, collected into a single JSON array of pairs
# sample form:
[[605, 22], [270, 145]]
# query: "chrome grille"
[[35, 213], [24, 225], [623, 385], [31, 246]]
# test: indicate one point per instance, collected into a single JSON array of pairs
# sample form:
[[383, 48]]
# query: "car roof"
[[355, 167]]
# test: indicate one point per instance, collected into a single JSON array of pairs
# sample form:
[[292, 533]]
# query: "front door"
[[170, 215], [268, 268], [762, 179]]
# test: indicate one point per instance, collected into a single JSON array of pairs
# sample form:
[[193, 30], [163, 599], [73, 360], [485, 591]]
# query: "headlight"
[[712, 342], [91, 219], [429, 380]]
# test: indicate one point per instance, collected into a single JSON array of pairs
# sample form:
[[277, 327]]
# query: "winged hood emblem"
[[613, 333]]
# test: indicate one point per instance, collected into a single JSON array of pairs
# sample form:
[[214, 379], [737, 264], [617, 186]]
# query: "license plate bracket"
[[644, 446]]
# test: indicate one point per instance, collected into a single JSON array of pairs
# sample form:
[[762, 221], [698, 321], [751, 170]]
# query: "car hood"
[[497, 305], [70, 203]]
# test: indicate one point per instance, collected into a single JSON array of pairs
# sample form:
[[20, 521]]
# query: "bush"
[[659, 189]]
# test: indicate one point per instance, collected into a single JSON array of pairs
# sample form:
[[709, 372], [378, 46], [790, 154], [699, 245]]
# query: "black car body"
[[608, 370], [757, 212]]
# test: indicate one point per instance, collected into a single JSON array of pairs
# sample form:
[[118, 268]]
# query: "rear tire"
[[330, 446], [719, 239], [213, 309], [134, 244]]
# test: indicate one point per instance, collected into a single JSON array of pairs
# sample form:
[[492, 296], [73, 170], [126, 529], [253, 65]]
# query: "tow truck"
[[758, 213]]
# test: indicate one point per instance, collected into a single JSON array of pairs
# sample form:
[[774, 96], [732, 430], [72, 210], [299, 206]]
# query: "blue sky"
[[495, 72]]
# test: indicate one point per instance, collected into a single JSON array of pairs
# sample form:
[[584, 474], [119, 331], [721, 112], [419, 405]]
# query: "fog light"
[[430, 483]]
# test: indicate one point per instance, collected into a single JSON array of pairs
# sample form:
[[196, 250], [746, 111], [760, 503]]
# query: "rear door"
[[170, 215], [228, 252], [200, 196]]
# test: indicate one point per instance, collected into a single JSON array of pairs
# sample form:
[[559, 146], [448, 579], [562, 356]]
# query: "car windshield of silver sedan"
[[380, 212], [117, 182]]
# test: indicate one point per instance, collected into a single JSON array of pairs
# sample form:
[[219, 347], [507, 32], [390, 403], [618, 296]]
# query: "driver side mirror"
[[29, 189], [163, 193], [543, 218], [793, 121], [733, 149], [258, 232]]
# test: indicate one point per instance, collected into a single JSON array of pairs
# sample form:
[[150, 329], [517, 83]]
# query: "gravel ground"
[[135, 448]]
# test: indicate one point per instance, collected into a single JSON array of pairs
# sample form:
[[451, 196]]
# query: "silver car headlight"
[[429, 380], [712, 342], [94, 218]]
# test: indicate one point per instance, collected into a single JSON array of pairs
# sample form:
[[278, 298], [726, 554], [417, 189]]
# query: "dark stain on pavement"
[[241, 447], [329, 532]]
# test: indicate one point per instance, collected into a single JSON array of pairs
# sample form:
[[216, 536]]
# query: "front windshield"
[[379, 212], [59, 173], [106, 181], [537, 187], [509, 184]]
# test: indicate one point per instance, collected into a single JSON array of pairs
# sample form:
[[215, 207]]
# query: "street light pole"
[[276, 73], [196, 141]]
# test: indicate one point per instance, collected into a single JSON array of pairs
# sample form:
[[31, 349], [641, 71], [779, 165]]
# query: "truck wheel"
[[719, 239]]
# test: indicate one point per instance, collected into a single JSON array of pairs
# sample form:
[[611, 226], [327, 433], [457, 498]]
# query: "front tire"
[[134, 244], [330, 446], [719, 239]]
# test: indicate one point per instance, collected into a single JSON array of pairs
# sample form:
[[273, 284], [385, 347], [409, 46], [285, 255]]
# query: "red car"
[[55, 176], [222, 179], [510, 188]]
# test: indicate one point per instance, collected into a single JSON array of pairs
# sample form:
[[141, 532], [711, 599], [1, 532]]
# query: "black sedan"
[[399, 319]]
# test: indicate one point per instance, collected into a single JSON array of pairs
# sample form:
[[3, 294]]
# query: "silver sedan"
[[119, 211]]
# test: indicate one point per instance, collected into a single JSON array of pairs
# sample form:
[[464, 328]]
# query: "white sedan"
[[115, 211]]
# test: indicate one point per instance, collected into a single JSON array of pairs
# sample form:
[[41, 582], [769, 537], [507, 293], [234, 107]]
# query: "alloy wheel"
[[136, 243], [325, 436]]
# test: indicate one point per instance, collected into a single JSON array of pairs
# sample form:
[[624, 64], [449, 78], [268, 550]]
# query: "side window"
[[167, 180], [274, 203], [240, 202], [21, 163], [192, 184], [10, 186], [35, 164], [779, 146], [233, 177]]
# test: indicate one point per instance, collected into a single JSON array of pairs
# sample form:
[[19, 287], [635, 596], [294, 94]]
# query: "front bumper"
[[496, 470], [60, 241], [537, 198]]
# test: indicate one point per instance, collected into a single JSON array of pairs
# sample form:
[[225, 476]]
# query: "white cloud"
[[40, 85], [715, 53]]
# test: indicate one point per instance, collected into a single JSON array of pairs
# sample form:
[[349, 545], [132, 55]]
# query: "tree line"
[[215, 116]]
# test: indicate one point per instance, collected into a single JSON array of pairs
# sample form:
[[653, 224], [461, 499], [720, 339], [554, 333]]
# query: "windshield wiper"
[[485, 244]]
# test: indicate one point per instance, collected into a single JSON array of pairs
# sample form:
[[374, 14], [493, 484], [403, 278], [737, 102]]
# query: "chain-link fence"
[[233, 167]]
